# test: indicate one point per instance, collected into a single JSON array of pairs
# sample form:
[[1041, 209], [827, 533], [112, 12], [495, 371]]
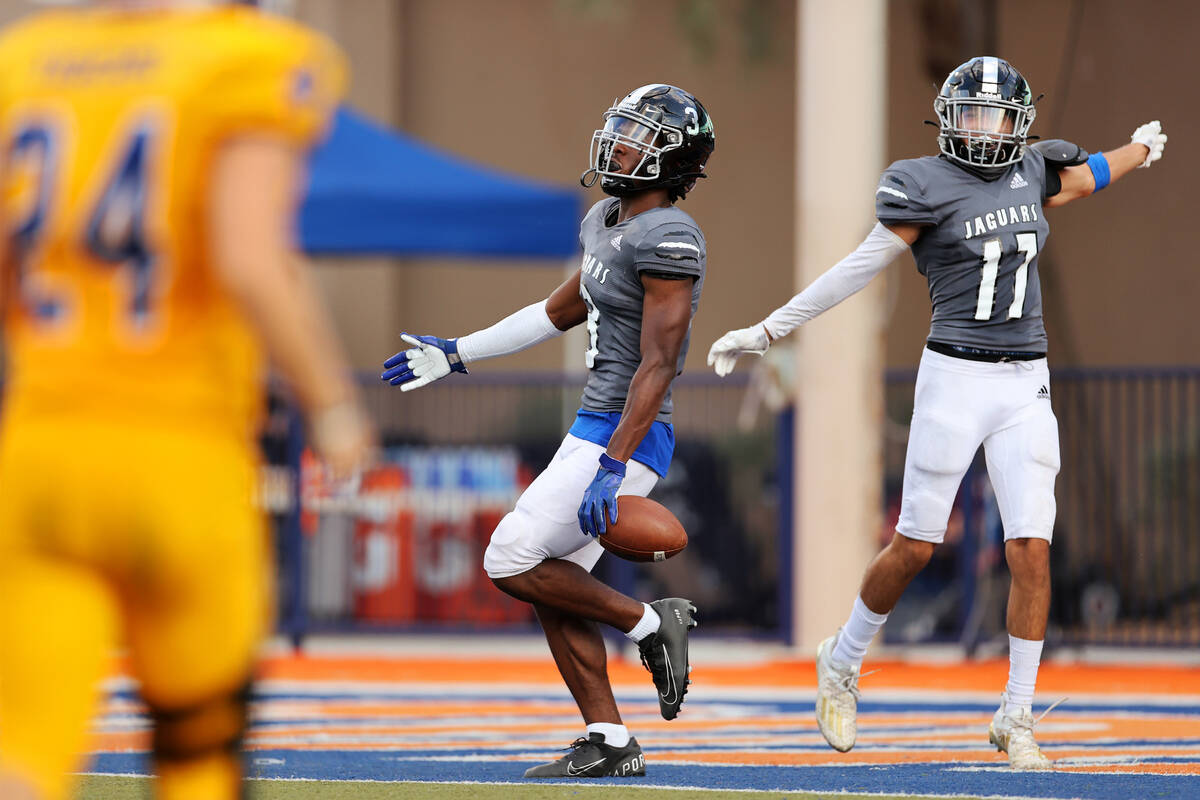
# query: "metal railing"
[[1125, 561]]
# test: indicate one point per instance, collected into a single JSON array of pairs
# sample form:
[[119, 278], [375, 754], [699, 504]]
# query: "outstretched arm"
[[1145, 147], [843, 279], [432, 358]]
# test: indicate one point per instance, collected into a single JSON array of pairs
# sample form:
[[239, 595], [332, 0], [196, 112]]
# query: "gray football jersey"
[[662, 240], [980, 249]]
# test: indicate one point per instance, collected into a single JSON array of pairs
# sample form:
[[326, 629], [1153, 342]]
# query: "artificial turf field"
[[467, 727], [105, 787]]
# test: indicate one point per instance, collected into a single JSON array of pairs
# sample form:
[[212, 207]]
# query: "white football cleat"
[[1012, 732], [837, 698]]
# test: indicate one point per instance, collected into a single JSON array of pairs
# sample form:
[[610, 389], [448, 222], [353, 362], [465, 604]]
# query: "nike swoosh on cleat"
[[573, 770], [670, 676]]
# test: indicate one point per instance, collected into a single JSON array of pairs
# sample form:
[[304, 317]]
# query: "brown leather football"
[[644, 531]]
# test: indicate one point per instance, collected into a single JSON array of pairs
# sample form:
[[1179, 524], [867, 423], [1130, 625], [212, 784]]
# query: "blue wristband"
[[1098, 164], [612, 465]]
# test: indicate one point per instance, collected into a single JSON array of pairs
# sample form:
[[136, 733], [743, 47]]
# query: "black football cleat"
[[665, 652], [592, 758]]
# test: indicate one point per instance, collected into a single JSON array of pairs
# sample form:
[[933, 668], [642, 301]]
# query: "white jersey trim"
[[677, 245]]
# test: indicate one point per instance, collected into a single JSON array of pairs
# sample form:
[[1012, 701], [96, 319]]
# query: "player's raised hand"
[[1152, 136], [725, 351], [429, 359]]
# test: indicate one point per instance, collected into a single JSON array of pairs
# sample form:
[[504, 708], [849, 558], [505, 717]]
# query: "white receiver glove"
[[1152, 136], [725, 351], [431, 358]]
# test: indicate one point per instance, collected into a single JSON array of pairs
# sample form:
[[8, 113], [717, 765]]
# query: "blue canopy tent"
[[373, 191]]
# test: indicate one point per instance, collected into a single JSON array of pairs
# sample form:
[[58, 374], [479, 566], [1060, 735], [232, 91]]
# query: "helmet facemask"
[[638, 133], [984, 112], [986, 133]]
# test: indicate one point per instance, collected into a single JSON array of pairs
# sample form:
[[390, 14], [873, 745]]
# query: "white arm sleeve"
[[843, 279], [516, 332]]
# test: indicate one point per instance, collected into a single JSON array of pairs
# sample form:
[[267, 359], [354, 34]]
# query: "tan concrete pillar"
[[840, 144]]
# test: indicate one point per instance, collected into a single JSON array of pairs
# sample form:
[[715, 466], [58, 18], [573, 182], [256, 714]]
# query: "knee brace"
[[216, 725]]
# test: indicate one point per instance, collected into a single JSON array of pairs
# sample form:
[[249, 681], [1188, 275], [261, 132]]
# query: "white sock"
[[647, 625], [857, 634], [1024, 656], [614, 735]]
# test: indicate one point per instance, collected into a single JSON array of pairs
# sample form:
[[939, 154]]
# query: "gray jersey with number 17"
[[661, 241], [979, 248]]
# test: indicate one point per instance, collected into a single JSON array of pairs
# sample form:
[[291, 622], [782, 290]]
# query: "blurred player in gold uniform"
[[150, 162]]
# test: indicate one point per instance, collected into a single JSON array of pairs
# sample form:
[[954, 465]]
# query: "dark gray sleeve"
[[1037, 168], [669, 250], [901, 199]]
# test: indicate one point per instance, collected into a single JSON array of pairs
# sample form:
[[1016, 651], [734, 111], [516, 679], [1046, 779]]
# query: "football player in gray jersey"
[[974, 219], [636, 291]]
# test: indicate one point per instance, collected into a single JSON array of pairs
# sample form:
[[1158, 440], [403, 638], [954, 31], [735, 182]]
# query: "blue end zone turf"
[[1107, 747], [897, 779]]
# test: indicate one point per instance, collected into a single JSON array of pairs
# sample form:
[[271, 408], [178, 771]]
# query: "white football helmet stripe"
[[632, 99], [991, 69]]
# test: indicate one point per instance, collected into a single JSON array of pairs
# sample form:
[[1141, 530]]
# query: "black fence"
[[1126, 550], [406, 553]]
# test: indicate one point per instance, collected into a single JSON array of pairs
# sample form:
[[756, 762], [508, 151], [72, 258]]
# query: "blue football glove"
[[601, 497], [429, 359]]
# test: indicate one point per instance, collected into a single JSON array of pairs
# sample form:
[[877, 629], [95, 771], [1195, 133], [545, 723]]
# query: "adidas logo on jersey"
[[1043, 393], [616, 241], [1018, 182]]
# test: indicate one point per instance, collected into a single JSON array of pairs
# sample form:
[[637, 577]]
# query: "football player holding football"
[[974, 219], [637, 289], [149, 175]]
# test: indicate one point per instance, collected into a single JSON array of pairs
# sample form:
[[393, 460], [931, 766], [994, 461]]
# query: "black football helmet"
[[984, 111], [671, 131]]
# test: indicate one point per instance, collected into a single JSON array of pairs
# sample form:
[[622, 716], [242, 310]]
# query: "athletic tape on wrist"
[[1098, 164]]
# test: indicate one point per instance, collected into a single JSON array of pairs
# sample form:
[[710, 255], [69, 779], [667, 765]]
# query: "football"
[[644, 531]]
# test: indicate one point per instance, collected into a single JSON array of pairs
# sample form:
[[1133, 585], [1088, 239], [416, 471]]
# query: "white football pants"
[[960, 405], [545, 522]]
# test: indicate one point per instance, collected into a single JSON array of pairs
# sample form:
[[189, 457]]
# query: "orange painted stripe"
[[926, 727], [1052, 678], [406, 708], [1167, 769]]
